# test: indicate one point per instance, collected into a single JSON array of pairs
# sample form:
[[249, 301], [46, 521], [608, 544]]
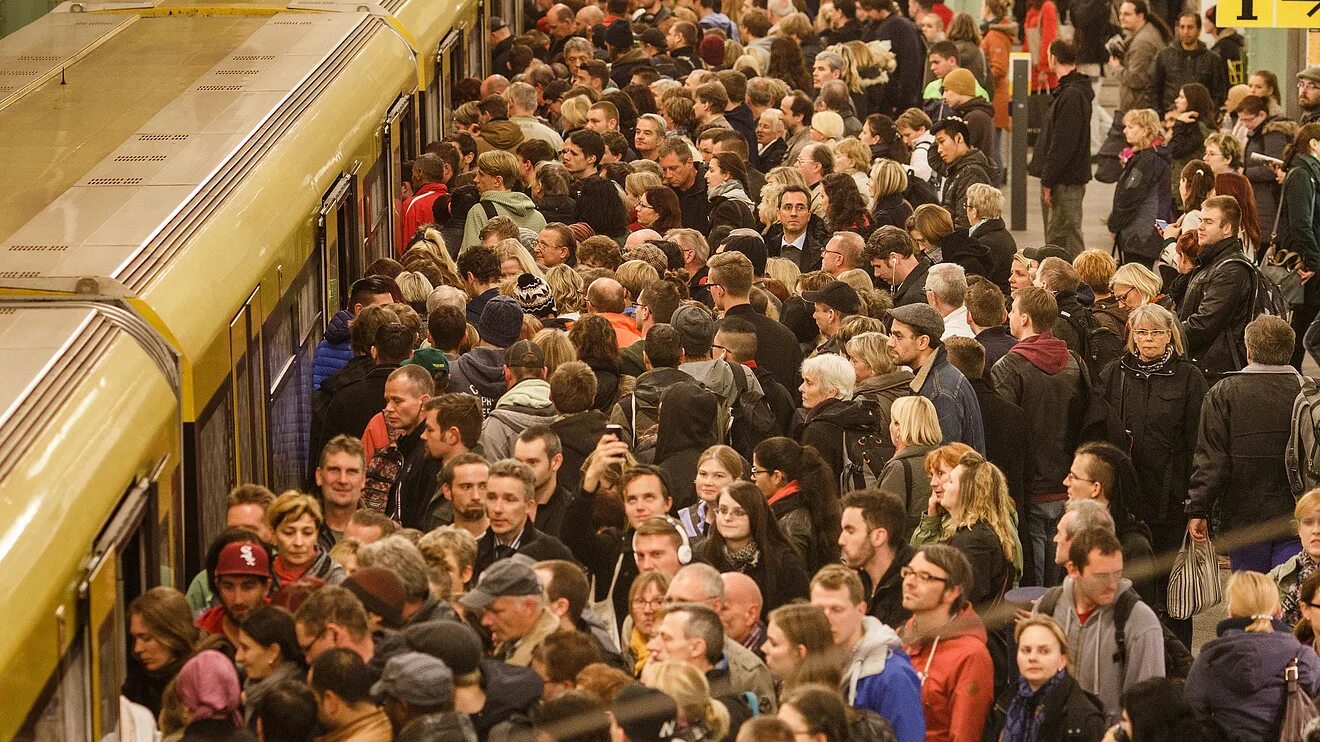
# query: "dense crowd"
[[707, 397]]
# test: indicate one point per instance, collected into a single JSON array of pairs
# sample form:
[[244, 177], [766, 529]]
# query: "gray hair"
[[776, 118], [690, 239], [1087, 514], [832, 59], [1157, 317], [442, 295], [400, 556], [832, 371], [712, 585], [655, 120], [703, 623], [515, 469], [579, 44], [522, 97], [948, 282]]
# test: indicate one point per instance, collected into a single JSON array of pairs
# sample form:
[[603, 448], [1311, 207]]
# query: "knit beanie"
[[501, 322], [961, 81], [534, 295], [381, 593]]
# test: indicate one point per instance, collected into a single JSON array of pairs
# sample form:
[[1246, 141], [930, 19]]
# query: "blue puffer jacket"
[[334, 351], [879, 677]]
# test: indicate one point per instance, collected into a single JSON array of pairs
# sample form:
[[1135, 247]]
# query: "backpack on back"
[[863, 450], [1100, 345], [750, 415], [1302, 455], [1177, 658], [382, 472], [1266, 296]]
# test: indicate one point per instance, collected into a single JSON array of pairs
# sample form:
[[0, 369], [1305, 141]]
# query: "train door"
[[248, 391], [336, 232]]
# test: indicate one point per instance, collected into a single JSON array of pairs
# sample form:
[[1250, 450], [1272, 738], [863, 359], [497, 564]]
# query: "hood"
[[871, 653], [633, 55], [1006, 25], [1246, 662], [533, 394], [336, 332], [1287, 127], [517, 204], [846, 415], [742, 114], [1079, 82], [966, 624], [884, 382], [713, 375], [578, 432], [687, 420], [509, 690], [652, 383], [484, 370], [958, 247], [733, 191], [502, 134], [447, 725], [753, 246], [1044, 351], [973, 157], [974, 104]]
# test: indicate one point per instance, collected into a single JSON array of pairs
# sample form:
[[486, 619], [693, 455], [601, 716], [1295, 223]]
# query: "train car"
[[189, 187]]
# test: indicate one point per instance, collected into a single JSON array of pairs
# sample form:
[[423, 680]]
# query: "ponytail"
[[716, 719]]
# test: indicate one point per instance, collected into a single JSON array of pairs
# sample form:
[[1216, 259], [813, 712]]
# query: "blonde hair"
[[872, 348], [918, 425], [1161, 318], [1255, 596], [887, 176], [573, 112], [566, 286], [635, 275], [637, 182], [983, 497], [784, 271], [292, 505], [986, 199], [1045, 622], [932, 221], [725, 457], [414, 286], [947, 455], [1146, 282], [857, 278], [767, 210], [433, 243], [1095, 268], [787, 175], [347, 547], [853, 149], [691, 692], [1307, 503], [556, 346], [1147, 119], [512, 249]]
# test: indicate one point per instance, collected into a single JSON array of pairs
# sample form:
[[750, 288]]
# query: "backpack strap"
[[489, 208], [1122, 611], [1049, 601]]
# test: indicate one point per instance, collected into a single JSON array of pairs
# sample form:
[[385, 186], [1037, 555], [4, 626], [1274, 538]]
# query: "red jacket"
[[417, 211], [959, 677], [625, 328]]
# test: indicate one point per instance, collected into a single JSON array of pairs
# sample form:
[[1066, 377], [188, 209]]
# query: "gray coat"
[[1138, 65]]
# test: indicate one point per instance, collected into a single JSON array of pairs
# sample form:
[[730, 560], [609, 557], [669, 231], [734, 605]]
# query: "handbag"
[[1280, 265], [1298, 709], [1194, 581]]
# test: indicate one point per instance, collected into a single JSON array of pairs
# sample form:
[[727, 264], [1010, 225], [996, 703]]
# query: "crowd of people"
[[707, 397]]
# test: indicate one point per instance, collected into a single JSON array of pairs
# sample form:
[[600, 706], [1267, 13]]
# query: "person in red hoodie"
[[945, 640], [428, 180]]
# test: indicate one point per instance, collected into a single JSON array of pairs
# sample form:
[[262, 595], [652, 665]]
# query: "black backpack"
[[1177, 658], [752, 420], [922, 191], [864, 450], [1100, 345]]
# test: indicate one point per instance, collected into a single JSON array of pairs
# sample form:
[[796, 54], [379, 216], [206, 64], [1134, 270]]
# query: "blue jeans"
[[1264, 556], [1042, 521]]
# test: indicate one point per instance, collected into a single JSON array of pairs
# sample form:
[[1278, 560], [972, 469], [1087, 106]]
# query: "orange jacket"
[[625, 328], [998, 45], [958, 683]]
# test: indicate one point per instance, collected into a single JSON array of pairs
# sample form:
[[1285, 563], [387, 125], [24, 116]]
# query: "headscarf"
[[208, 687]]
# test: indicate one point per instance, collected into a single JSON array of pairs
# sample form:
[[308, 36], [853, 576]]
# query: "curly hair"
[[847, 207]]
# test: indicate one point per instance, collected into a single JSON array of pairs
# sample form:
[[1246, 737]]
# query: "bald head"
[[698, 583], [641, 236], [607, 295], [591, 15], [494, 85], [560, 12], [742, 605]]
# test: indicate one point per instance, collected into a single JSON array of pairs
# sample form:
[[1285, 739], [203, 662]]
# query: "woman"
[[981, 524], [1237, 681], [1266, 85], [932, 28], [1292, 574], [700, 717], [1299, 219], [295, 519], [964, 32], [645, 599], [1042, 27], [730, 206], [889, 182], [207, 692], [845, 207], [1194, 185], [793, 633], [853, 158], [634, 186], [1194, 119], [516, 259], [717, 467], [933, 225], [914, 429], [1001, 33], [878, 379], [1307, 594], [1223, 153], [550, 193], [881, 135], [658, 209], [568, 291], [787, 63], [748, 539], [269, 654], [160, 623], [1022, 273], [801, 492], [816, 713], [1047, 703], [598, 347], [1156, 393], [827, 387], [573, 113], [1237, 186], [686, 430], [1135, 284], [1142, 193], [1156, 710]]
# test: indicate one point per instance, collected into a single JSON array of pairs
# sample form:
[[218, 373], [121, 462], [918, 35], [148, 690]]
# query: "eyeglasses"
[[1148, 334], [719, 348], [730, 512], [644, 205], [1076, 478], [926, 577], [652, 603], [308, 647], [1106, 576], [756, 471], [1307, 85]]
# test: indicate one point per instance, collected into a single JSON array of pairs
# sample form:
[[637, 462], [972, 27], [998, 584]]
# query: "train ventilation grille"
[[96, 23], [112, 181], [290, 23], [38, 248], [40, 58], [141, 158], [163, 137], [254, 58], [20, 274], [220, 88], [236, 72]]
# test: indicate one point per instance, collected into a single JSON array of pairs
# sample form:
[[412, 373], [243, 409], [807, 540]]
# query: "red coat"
[[1044, 19], [417, 211], [959, 685]]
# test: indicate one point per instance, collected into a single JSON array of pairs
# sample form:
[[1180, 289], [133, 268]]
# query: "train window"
[[289, 412], [335, 236], [375, 212], [447, 73], [409, 129], [245, 359], [61, 712], [396, 134], [214, 465]]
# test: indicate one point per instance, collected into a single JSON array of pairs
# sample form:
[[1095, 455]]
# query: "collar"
[[972, 229], [801, 242], [783, 492]]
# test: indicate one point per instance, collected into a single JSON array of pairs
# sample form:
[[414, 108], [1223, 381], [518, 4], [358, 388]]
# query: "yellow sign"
[[1269, 13]]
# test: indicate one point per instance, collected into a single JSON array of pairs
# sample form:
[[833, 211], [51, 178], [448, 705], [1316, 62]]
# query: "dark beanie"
[[753, 247], [455, 643], [381, 593], [619, 34]]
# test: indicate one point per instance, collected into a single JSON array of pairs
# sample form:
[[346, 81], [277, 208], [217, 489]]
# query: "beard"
[[471, 513]]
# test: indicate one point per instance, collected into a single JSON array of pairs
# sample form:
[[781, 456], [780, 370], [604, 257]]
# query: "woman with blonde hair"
[[1238, 679], [784, 271], [556, 346], [794, 632], [515, 259], [573, 113], [567, 287], [1290, 575], [1134, 284], [878, 379], [1022, 272], [889, 182], [717, 467], [699, 716], [1047, 701], [854, 159], [634, 187], [296, 520], [1142, 194], [415, 288], [914, 430], [646, 600], [767, 209], [787, 175]]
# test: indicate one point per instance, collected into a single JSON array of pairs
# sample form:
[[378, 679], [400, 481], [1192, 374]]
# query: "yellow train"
[[187, 188]]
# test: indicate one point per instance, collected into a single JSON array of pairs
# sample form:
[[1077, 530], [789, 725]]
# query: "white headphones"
[[684, 549]]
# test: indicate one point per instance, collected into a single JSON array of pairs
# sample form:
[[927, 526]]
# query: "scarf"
[[1291, 600], [637, 643], [744, 558], [1146, 369], [789, 489], [1027, 712], [731, 189]]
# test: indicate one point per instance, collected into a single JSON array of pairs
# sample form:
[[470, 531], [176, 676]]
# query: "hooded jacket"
[[517, 206], [1002, 247], [1041, 377], [883, 389], [1237, 679], [997, 43], [879, 677], [959, 676], [644, 402], [1175, 67], [623, 66], [1300, 217], [904, 88], [1138, 62], [479, 372], [1217, 307], [828, 422], [731, 207], [958, 247], [1091, 647], [979, 114], [578, 435], [526, 404], [973, 167], [353, 405], [509, 690], [374, 727], [1063, 147], [335, 349], [1141, 196], [499, 134], [688, 415], [954, 399]]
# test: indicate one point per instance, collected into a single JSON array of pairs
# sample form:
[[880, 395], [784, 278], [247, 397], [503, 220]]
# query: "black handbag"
[[1280, 265]]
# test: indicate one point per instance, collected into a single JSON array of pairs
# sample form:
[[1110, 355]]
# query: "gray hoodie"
[[526, 404], [1091, 648], [516, 206]]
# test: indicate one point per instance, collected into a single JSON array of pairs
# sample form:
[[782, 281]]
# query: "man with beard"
[[242, 577], [871, 542]]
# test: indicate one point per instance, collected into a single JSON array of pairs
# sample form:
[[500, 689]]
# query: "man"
[[964, 167], [815, 162], [342, 685], [650, 133], [742, 611], [770, 144], [905, 40], [1005, 422], [692, 634], [943, 57], [1266, 135], [877, 675], [1102, 472], [626, 57], [508, 598], [242, 578], [406, 391], [369, 526], [247, 505], [566, 593], [827, 66], [602, 117], [333, 617], [560, 658], [555, 245], [834, 304], [799, 235], [1144, 43], [710, 104], [962, 100], [527, 402], [914, 341], [336, 350], [1218, 300], [1057, 276], [400, 556], [1043, 378], [561, 25], [497, 174], [1308, 94], [522, 111], [682, 39], [738, 337], [947, 639], [897, 264], [479, 267], [353, 405], [708, 16], [501, 44], [417, 692], [539, 448], [946, 290], [695, 250], [463, 486], [1063, 150], [659, 545], [1238, 469], [696, 331], [584, 151], [428, 181], [688, 179], [987, 317], [480, 371], [286, 712], [608, 298], [843, 253], [638, 410], [510, 498], [652, 13], [1085, 607], [1186, 60], [730, 281], [867, 546], [1079, 516], [577, 428], [796, 109], [452, 426], [764, 94]]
